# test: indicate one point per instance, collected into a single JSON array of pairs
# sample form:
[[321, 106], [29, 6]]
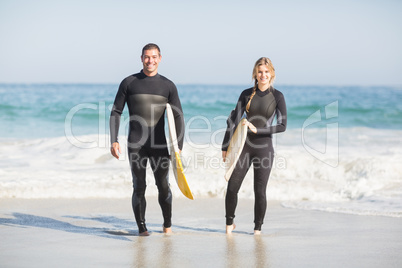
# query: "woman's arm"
[[234, 119]]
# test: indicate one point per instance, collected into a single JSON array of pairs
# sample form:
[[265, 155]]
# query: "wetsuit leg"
[[262, 162], [138, 163], [159, 161], [235, 181]]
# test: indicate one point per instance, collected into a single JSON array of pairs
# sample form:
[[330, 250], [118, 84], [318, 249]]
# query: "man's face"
[[150, 61]]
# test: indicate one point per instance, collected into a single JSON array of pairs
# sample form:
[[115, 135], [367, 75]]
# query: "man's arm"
[[174, 101], [114, 122]]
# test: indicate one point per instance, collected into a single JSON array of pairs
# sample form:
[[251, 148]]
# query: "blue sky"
[[209, 42]]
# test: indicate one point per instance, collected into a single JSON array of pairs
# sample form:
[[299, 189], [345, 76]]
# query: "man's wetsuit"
[[146, 98], [258, 149]]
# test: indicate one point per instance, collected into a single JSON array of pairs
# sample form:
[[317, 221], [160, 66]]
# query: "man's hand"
[[115, 149], [224, 155]]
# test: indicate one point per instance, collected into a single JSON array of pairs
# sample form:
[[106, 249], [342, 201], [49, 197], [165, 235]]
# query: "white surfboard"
[[175, 155], [235, 148]]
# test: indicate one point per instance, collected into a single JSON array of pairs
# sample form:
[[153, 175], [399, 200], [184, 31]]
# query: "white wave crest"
[[60, 168]]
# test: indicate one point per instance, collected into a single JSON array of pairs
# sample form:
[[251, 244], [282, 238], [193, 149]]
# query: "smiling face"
[[263, 76], [264, 73], [150, 61]]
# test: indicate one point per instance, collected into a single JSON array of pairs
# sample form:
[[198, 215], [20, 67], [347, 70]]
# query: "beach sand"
[[102, 233]]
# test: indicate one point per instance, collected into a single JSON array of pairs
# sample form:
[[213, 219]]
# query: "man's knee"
[[140, 191]]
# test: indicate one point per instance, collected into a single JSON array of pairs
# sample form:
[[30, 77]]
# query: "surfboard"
[[235, 148], [177, 165]]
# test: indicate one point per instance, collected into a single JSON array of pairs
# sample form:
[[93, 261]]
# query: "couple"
[[146, 139]]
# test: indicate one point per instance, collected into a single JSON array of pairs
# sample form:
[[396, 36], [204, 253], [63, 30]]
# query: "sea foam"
[[358, 179]]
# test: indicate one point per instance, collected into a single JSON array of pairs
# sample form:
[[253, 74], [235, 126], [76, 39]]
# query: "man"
[[146, 94]]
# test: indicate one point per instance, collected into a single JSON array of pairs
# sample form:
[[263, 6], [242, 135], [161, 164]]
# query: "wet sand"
[[102, 233]]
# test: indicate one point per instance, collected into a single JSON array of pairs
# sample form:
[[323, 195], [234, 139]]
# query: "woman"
[[261, 104]]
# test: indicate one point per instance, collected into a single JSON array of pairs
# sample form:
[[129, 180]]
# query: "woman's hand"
[[251, 126], [224, 155]]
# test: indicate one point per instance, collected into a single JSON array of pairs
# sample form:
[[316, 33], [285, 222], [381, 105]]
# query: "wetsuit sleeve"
[[281, 120], [233, 120], [117, 110], [174, 101]]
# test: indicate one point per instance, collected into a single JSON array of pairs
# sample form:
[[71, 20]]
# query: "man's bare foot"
[[144, 233], [230, 228], [167, 230], [257, 232]]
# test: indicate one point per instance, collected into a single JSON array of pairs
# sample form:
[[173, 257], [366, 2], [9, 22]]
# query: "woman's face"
[[263, 75]]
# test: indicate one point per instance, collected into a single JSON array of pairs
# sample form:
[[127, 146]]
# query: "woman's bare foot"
[[144, 233], [230, 228], [167, 230], [257, 232]]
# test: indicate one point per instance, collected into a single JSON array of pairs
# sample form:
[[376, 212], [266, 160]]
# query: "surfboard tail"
[[181, 179], [235, 148], [177, 165]]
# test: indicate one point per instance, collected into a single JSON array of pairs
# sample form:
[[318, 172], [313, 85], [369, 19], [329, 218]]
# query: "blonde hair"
[[261, 61]]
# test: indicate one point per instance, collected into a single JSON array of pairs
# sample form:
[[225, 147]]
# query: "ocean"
[[341, 151]]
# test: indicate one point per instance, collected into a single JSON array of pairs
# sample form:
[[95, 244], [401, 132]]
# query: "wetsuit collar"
[[143, 75], [263, 93]]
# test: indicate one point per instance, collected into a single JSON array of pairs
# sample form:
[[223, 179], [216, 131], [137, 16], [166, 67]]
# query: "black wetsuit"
[[146, 98], [258, 149]]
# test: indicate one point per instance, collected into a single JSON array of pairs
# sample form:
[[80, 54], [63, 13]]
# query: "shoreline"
[[102, 232]]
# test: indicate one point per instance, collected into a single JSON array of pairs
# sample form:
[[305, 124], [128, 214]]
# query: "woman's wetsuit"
[[258, 149], [146, 98]]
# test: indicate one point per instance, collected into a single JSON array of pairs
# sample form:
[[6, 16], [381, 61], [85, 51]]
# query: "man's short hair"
[[149, 47]]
